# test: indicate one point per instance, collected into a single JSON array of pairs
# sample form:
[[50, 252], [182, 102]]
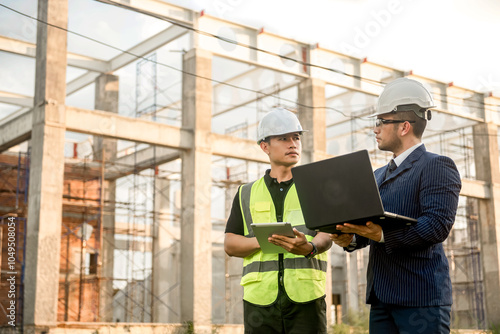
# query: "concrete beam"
[[27, 49], [101, 123], [171, 232], [149, 157], [241, 80], [141, 160], [476, 189], [232, 147], [269, 91], [15, 130], [138, 229], [259, 38], [259, 65], [164, 37], [156, 8], [131, 55], [298, 75], [347, 94], [368, 112], [135, 246], [82, 81], [251, 79], [368, 68], [222, 145], [15, 46], [16, 99]]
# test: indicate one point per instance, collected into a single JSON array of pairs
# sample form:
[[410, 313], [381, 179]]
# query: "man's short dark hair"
[[418, 126]]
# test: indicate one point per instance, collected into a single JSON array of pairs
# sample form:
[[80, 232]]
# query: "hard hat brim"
[[280, 134]]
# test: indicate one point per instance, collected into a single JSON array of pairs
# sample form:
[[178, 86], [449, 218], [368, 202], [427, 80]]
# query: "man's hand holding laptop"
[[370, 230]]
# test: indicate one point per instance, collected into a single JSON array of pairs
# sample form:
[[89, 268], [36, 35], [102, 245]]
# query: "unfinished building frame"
[[130, 191]]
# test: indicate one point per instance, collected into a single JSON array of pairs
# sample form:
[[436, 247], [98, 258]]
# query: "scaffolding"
[[14, 184], [81, 234]]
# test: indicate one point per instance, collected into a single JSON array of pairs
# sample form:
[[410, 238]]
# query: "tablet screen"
[[265, 230]]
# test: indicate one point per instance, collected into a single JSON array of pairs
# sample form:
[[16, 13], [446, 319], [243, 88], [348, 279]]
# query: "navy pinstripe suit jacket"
[[410, 268]]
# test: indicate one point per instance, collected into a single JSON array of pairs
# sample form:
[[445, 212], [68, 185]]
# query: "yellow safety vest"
[[304, 279]]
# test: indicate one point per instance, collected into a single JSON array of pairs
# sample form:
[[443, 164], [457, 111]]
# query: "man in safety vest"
[[283, 293]]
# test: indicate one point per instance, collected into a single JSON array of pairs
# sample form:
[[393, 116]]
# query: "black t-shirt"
[[278, 191]]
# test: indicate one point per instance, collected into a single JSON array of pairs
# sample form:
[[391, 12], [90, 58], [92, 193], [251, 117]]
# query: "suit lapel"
[[379, 177], [407, 164]]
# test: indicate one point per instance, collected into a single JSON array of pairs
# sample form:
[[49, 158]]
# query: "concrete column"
[[165, 268], [313, 119], [486, 157], [352, 282], [233, 290], [312, 116], [105, 150], [41, 283], [196, 226]]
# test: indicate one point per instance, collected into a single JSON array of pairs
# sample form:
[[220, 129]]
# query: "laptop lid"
[[341, 190]]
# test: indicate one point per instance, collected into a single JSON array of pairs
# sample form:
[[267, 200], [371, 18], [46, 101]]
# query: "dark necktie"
[[392, 166]]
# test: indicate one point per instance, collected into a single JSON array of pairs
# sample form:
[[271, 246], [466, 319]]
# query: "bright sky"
[[446, 40]]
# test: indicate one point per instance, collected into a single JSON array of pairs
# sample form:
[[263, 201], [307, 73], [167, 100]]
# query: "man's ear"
[[265, 147], [407, 128]]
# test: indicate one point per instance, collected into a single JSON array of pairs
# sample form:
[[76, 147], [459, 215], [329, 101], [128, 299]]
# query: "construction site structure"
[[121, 165]]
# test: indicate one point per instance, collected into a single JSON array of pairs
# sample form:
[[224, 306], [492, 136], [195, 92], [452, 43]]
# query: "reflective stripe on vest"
[[304, 280]]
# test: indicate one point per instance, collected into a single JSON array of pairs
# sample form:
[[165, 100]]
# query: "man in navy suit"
[[408, 280]]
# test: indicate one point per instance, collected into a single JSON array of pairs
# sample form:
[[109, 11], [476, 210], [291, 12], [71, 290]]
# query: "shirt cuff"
[[382, 240], [353, 244]]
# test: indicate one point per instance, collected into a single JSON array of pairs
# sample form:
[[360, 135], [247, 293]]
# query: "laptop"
[[342, 190]]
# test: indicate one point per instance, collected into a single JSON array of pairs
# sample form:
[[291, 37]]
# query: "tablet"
[[265, 230]]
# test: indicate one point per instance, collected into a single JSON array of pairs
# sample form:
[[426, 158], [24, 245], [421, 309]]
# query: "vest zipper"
[[281, 265]]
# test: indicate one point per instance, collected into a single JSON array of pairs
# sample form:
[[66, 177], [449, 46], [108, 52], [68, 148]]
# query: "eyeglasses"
[[380, 121]]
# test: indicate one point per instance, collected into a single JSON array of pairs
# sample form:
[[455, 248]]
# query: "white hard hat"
[[278, 121], [403, 94]]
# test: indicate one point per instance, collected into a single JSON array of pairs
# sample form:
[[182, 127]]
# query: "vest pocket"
[[252, 269], [251, 278], [308, 269], [305, 269], [262, 212], [310, 274], [295, 217]]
